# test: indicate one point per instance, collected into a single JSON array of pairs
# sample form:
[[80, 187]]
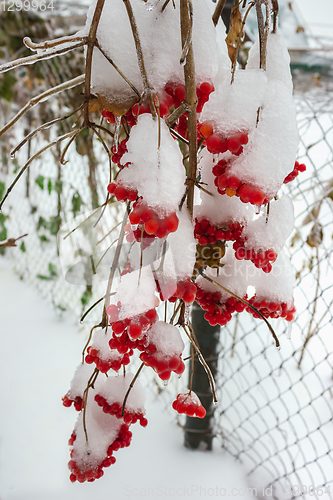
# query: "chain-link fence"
[[276, 407]]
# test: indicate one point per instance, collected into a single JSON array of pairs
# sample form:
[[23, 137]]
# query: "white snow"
[[114, 390], [167, 340], [157, 174]]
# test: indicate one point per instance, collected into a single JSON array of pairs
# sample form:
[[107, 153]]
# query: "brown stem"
[[218, 11], [130, 388], [139, 53], [191, 101], [239, 39], [275, 5], [91, 41], [263, 28]]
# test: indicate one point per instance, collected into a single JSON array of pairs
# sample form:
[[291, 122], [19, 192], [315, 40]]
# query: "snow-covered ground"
[[39, 354]]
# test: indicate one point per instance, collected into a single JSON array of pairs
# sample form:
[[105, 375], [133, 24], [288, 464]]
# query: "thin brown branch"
[[42, 127], [31, 159], [91, 41], [148, 89], [130, 388], [218, 11], [239, 40], [90, 383], [177, 113], [42, 97], [275, 5], [11, 242], [118, 70], [71, 140], [191, 101]]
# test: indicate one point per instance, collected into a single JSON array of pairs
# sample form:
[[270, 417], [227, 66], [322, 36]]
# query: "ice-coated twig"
[[52, 43], [91, 308], [71, 140], [277, 342], [188, 39], [43, 97], [275, 5], [38, 57], [239, 41], [30, 160], [177, 113]]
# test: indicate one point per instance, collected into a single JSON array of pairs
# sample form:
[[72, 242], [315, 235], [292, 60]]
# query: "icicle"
[[288, 330], [116, 132]]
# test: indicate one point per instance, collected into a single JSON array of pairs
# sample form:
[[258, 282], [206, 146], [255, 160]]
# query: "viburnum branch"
[[90, 383], [91, 41], [23, 61], [107, 131], [31, 159], [263, 28], [277, 342], [114, 265], [275, 5], [92, 307], [52, 43], [42, 97], [178, 136], [88, 341], [239, 40], [141, 63], [201, 358], [71, 140], [218, 11], [11, 242], [191, 101], [176, 114], [188, 40], [130, 388], [118, 70], [42, 127]]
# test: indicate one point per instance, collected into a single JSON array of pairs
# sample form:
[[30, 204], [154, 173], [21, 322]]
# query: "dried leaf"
[[235, 31], [315, 238]]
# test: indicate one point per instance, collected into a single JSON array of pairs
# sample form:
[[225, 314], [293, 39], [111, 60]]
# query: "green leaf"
[[53, 225], [3, 229], [49, 186], [2, 189], [62, 308], [41, 223], [86, 296], [53, 270], [40, 181], [22, 247]]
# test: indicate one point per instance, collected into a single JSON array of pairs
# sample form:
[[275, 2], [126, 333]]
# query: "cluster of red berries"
[[135, 326], [207, 233], [177, 92], [128, 117], [140, 236], [261, 259], [219, 143], [123, 440], [299, 167], [230, 184], [129, 417], [272, 309], [185, 290], [67, 401], [113, 361], [121, 193], [189, 403], [218, 313], [162, 364], [152, 223]]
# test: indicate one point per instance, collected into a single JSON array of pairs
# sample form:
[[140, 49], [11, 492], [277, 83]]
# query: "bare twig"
[[11, 242], [275, 5], [42, 97], [218, 11], [130, 388], [72, 139], [38, 57], [42, 127], [191, 101], [31, 159], [52, 43]]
